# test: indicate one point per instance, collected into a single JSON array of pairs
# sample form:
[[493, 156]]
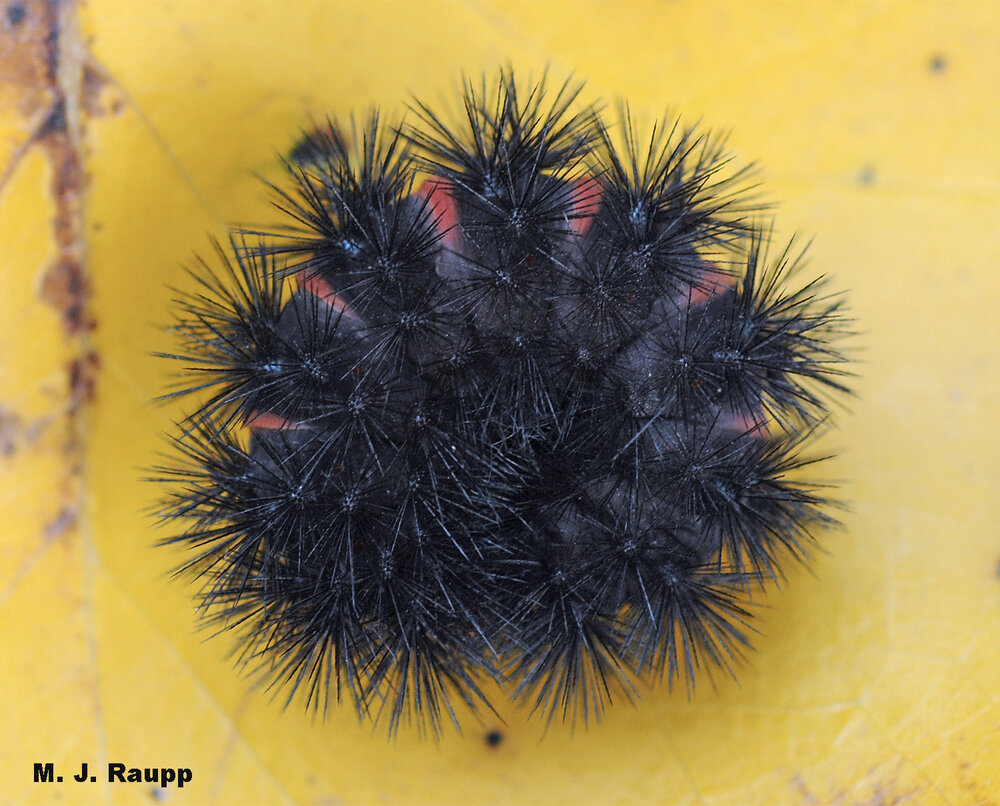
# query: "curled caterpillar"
[[521, 398]]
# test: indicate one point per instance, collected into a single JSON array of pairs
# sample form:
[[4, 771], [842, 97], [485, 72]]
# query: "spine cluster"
[[520, 398]]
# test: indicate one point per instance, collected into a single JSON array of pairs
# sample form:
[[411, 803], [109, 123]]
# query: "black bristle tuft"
[[521, 399]]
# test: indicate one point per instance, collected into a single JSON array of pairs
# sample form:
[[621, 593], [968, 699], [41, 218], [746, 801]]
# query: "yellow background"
[[877, 677]]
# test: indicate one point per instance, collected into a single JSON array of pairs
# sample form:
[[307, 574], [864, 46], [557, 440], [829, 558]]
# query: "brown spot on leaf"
[[61, 64], [46, 79], [66, 289], [83, 379], [94, 82], [24, 50]]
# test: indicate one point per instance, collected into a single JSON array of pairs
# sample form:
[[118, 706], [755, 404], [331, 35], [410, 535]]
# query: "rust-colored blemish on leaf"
[[24, 55], [25, 85], [82, 379], [65, 288], [44, 76], [94, 82], [66, 284]]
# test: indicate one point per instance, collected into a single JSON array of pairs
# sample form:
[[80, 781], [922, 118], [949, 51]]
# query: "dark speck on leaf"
[[494, 738], [16, 12]]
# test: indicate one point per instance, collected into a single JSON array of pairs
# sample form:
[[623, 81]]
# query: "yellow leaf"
[[134, 133]]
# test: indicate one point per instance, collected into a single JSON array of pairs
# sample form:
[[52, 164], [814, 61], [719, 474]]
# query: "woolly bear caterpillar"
[[519, 398]]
